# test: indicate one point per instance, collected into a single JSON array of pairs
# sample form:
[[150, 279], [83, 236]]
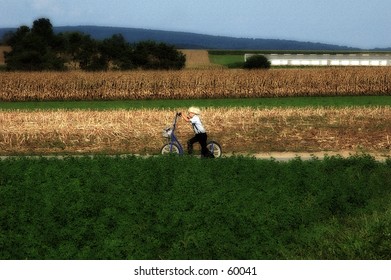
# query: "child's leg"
[[190, 144], [202, 139]]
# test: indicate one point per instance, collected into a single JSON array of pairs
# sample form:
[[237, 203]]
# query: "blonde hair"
[[194, 110]]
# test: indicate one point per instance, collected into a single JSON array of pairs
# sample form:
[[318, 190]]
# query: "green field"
[[187, 208], [333, 101], [228, 60]]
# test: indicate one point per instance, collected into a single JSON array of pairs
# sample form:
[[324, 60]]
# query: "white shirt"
[[197, 125]]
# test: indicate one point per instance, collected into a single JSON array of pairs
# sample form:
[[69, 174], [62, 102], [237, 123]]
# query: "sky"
[[353, 23]]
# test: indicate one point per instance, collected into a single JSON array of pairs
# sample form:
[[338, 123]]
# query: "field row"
[[237, 129], [194, 84]]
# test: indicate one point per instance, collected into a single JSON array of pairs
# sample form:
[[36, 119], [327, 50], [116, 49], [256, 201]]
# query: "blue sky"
[[355, 23]]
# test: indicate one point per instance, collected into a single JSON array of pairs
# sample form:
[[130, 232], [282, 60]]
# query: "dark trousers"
[[200, 138]]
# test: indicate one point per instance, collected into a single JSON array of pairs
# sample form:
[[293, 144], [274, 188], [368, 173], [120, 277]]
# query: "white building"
[[359, 59]]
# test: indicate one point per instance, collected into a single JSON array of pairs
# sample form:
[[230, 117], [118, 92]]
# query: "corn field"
[[237, 129], [194, 84], [199, 59]]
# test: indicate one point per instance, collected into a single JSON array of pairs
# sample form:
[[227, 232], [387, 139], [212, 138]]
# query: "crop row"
[[194, 84], [237, 129]]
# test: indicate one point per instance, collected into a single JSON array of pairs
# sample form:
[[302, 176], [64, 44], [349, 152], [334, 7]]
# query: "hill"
[[188, 40]]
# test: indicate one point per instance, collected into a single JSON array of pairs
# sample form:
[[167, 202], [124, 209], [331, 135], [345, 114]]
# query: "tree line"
[[38, 48]]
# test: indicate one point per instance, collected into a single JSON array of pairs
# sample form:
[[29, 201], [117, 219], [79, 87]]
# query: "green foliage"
[[119, 52], [38, 49], [34, 49], [257, 62], [187, 208], [152, 55]]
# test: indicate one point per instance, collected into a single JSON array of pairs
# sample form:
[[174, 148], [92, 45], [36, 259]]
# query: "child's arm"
[[186, 118]]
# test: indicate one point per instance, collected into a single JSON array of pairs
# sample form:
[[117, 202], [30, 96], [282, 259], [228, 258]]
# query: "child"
[[200, 133]]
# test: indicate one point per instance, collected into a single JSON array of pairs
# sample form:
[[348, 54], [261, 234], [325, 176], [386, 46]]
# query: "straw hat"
[[195, 110]]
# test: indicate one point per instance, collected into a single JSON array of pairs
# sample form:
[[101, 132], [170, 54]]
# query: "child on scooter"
[[200, 136]]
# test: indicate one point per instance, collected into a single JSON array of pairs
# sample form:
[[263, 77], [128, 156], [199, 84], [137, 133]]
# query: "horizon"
[[203, 34], [352, 23]]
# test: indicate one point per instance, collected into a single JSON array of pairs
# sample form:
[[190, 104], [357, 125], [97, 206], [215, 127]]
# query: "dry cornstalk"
[[190, 84], [237, 129]]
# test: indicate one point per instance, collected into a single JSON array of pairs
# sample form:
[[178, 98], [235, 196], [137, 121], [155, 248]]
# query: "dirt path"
[[278, 156], [287, 156]]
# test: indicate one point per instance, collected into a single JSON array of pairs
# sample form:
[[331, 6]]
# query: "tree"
[[257, 62], [145, 54], [152, 55], [118, 52], [34, 49], [12, 38], [85, 51], [43, 29], [39, 48]]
